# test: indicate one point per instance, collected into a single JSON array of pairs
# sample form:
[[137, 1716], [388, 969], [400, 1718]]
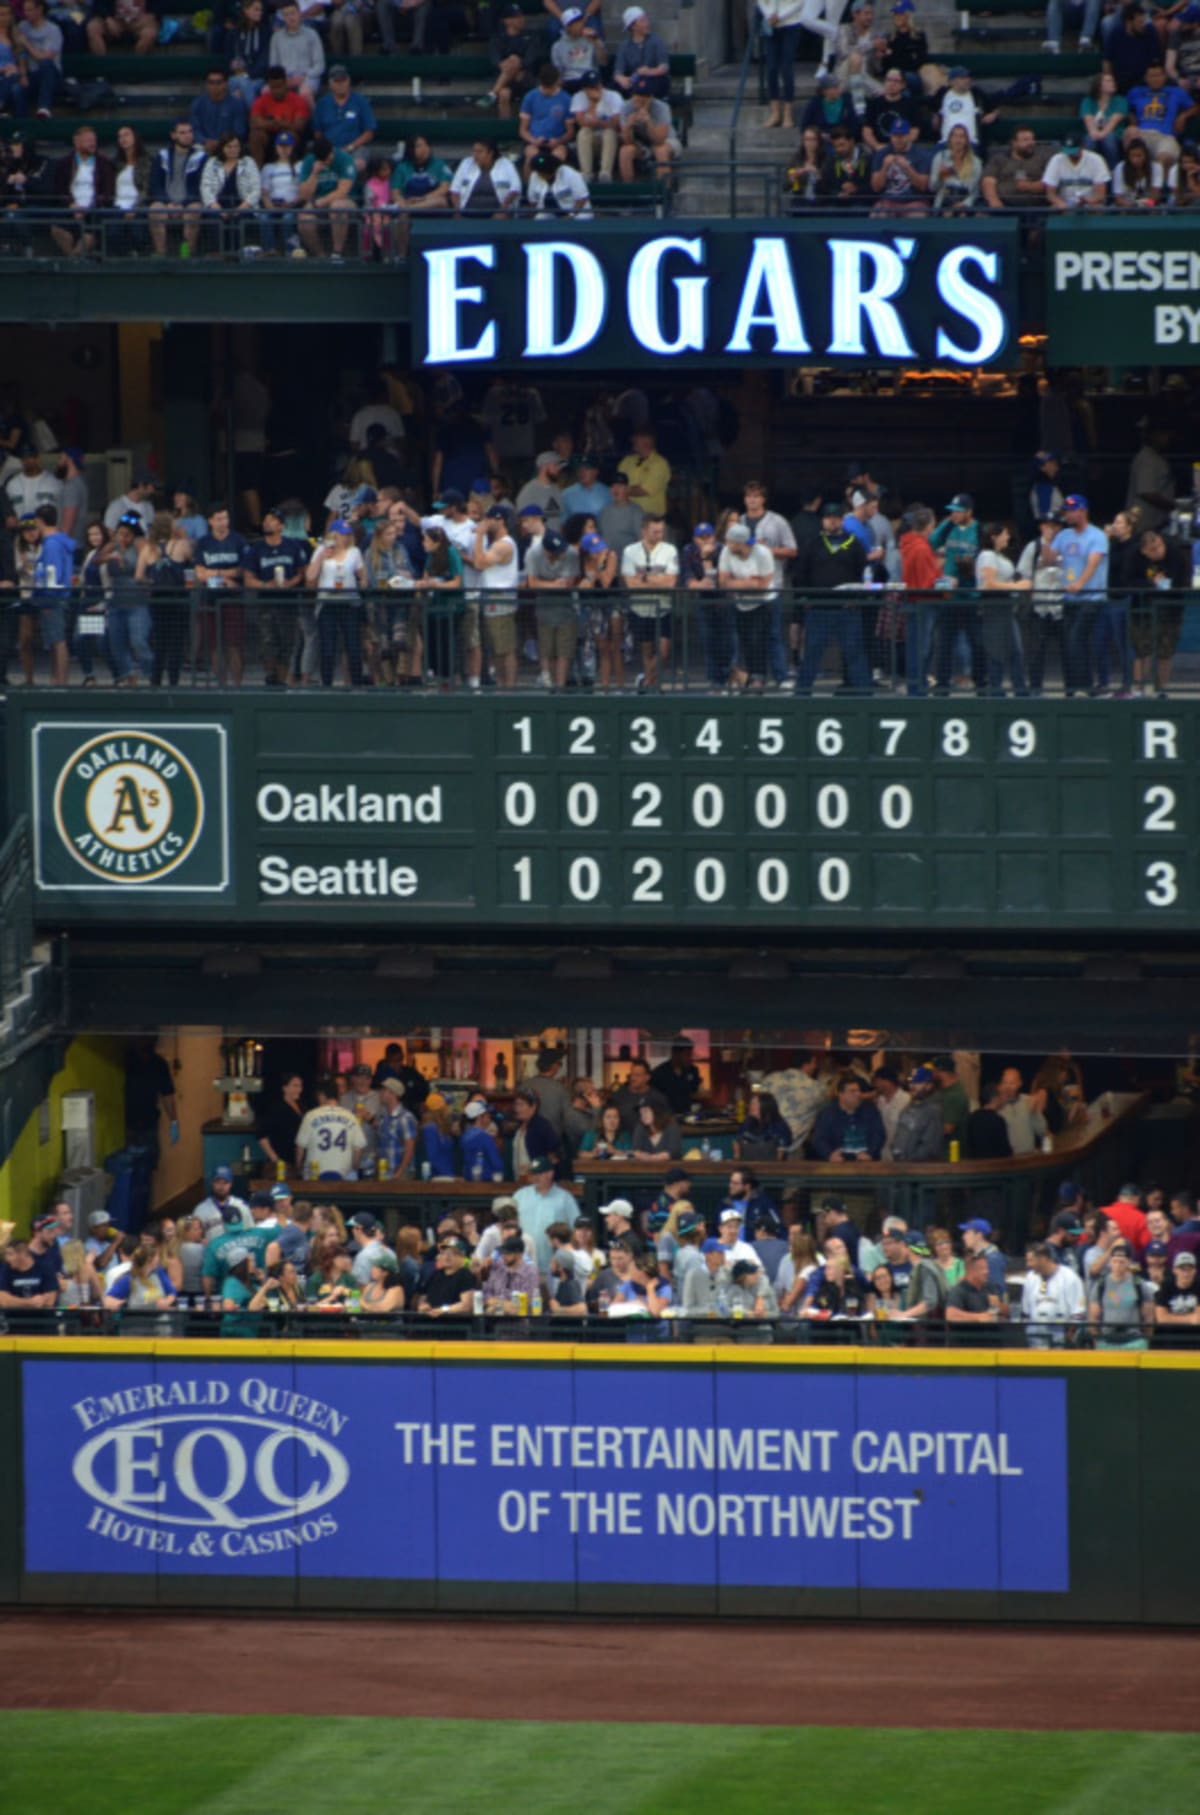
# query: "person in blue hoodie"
[[52, 577]]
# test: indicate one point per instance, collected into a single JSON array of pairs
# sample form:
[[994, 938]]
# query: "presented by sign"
[[1123, 292]]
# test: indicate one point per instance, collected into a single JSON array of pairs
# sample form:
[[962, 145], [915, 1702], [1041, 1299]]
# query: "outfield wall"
[[980, 1484]]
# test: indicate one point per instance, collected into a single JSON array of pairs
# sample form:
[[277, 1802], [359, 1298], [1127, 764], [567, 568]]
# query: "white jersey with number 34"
[[333, 1137]]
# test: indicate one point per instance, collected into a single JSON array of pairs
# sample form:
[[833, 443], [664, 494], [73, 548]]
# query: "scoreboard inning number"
[[739, 808]]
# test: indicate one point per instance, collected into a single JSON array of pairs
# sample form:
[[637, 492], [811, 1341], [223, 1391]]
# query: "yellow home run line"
[[601, 1354]]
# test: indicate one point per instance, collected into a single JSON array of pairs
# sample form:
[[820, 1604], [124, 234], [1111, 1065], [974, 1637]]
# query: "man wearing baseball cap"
[[596, 111], [1082, 548], [957, 535], [977, 1239], [706, 1289], [1076, 177], [588, 495], [545, 488], [617, 1217], [578, 51], [729, 1223], [221, 1208], [1177, 1305], [551, 572], [256, 1241], [752, 1294], [920, 1136], [1063, 1236], [961, 104]]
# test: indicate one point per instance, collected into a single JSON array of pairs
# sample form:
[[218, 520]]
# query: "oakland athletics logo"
[[129, 806]]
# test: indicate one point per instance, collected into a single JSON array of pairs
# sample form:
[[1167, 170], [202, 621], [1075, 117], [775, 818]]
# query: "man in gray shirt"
[[297, 48], [620, 521], [73, 499], [546, 489], [551, 570], [920, 1132], [553, 1097]]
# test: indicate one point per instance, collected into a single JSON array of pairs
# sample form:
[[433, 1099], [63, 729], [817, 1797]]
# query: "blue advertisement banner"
[[562, 1474]]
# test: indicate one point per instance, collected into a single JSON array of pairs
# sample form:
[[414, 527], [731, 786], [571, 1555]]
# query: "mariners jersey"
[[333, 1138]]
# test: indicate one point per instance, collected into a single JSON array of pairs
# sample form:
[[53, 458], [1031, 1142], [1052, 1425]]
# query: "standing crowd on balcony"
[[519, 556]]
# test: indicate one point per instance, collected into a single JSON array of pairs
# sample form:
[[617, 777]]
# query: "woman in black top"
[[280, 1124]]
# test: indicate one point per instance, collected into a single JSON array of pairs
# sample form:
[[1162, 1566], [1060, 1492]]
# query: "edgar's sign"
[[139, 806], [794, 294]]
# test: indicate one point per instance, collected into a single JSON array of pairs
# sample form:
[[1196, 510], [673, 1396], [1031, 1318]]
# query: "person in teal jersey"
[[237, 1289], [254, 1241], [957, 535]]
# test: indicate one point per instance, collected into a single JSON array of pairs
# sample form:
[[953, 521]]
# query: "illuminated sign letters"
[[614, 296]]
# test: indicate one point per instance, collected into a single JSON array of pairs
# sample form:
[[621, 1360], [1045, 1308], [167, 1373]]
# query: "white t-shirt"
[[1075, 178], [25, 494], [609, 105], [996, 564], [757, 563], [638, 559], [1157, 178], [333, 1137], [280, 183], [83, 183], [126, 195], [567, 194], [501, 580], [960, 110], [125, 506], [773, 531], [371, 413], [340, 573]]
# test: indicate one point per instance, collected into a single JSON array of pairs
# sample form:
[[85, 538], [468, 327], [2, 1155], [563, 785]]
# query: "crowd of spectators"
[[281, 151], [511, 564], [1120, 1275], [891, 128]]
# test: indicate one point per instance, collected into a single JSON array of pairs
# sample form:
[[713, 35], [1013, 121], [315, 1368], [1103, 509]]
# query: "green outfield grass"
[[150, 1764]]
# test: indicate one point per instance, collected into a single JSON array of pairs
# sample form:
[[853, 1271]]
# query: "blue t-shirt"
[[261, 560], [213, 119], [217, 553], [55, 564], [547, 113], [586, 500], [343, 122], [41, 1277], [477, 1143], [860, 530], [1158, 109], [1074, 546], [438, 1149]]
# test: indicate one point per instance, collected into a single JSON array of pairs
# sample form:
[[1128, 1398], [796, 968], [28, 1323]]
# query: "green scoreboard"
[[670, 811]]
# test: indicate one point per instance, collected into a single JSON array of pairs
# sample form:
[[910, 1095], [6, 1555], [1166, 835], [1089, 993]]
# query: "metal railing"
[[871, 1329], [749, 56], [298, 238], [294, 235], [707, 640], [16, 910]]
